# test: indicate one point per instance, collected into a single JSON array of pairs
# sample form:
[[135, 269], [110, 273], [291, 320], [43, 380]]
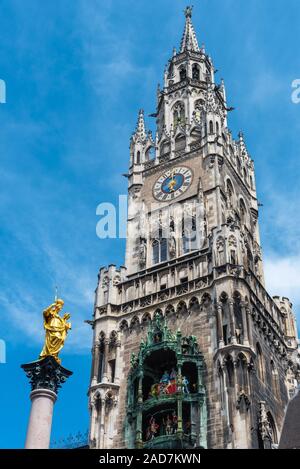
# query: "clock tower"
[[189, 349]]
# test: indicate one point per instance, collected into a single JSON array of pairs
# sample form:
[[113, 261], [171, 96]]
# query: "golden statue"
[[56, 328]]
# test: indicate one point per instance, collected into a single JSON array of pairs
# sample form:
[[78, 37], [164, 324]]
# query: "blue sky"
[[76, 72]]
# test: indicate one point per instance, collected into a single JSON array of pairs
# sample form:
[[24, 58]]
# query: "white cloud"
[[282, 275]]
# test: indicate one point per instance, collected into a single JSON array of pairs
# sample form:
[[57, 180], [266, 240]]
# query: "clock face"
[[172, 183]]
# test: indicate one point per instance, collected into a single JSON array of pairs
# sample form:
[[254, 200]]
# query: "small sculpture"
[[185, 384], [152, 429], [56, 328]]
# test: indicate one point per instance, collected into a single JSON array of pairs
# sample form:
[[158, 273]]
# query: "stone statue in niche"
[[143, 252]]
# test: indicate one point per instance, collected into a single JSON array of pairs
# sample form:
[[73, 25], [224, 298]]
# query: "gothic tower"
[[189, 349]]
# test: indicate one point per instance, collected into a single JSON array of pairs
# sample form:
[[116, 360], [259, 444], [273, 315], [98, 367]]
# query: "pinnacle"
[[189, 40]]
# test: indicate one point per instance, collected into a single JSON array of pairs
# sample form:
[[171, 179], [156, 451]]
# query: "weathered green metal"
[[186, 350]]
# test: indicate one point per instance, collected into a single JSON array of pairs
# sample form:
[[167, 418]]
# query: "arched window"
[[211, 127], [195, 72], [180, 142], [217, 128], [189, 235], [182, 73], [238, 318], [273, 431], [251, 183], [230, 193], [178, 115], [150, 154], [242, 373], [155, 251], [164, 148], [159, 250], [101, 357], [138, 157], [222, 388], [111, 359], [260, 363], [243, 212], [275, 380]]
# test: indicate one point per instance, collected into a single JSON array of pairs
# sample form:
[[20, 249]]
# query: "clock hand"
[[172, 183]]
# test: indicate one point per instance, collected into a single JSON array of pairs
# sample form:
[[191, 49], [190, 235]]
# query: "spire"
[[189, 40], [140, 130]]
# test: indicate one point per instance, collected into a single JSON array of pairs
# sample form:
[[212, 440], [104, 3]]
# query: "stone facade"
[[210, 288]]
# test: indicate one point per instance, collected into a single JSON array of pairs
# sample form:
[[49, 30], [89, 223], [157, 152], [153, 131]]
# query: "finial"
[[188, 11]]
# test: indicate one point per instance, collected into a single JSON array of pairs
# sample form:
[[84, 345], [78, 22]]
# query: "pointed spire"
[[140, 130], [189, 40]]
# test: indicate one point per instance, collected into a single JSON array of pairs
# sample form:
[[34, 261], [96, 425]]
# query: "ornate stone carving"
[[46, 374]]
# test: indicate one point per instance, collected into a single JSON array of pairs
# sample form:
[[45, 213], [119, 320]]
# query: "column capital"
[[46, 374]]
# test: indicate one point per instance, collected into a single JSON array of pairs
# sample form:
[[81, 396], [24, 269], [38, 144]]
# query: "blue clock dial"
[[172, 183]]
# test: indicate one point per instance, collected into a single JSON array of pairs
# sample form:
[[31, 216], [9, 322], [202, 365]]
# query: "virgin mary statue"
[[56, 329]]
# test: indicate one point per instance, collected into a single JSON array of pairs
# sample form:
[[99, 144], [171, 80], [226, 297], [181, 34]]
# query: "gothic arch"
[[274, 380], [243, 211], [230, 192], [113, 337], [238, 318], [150, 153], [180, 141], [165, 147], [232, 250], [182, 72], [135, 322], [223, 297], [260, 363], [101, 336], [196, 133], [181, 308], [146, 318], [242, 372], [205, 299], [123, 325], [195, 71], [169, 311], [158, 313], [273, 428], [193, 304], [220, 251], [178, 114]]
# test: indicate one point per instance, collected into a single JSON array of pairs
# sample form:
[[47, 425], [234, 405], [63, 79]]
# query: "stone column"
[[40, 420], [118, 364], [45, 376], [249, 323], [105, 357], [232, 322], [95, 363], [245, 325], [220, 325]]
